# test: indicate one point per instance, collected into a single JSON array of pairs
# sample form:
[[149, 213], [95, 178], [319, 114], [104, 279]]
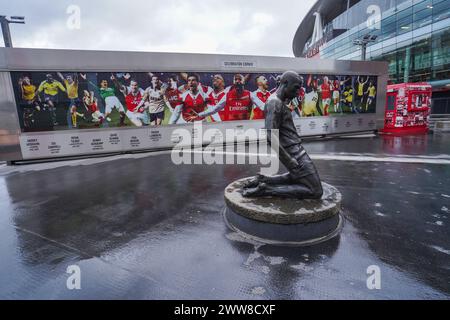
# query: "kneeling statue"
[[302, 181]]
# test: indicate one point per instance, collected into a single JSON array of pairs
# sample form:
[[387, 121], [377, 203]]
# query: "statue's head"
[[290, 83]]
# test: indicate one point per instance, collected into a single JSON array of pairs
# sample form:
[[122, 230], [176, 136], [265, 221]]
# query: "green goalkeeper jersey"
[[107, 92]]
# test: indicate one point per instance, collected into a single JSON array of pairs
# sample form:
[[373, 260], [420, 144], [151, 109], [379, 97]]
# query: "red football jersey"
[[301, 94], [258, 114], [132, 101], [314, 83], [174, 97], [326, 91], [193, 103], [93, 107], [237, 107], [336, 85], [214, 99], [204, 88]]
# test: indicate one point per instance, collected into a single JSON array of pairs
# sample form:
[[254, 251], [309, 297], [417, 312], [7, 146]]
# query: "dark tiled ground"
[[144, 228]]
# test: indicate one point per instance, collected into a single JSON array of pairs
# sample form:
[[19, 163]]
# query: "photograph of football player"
[[359, 99], [173, 94], [27, 90], [371, 95], [311, 100], [193, 102], [186, 86], [51, 89], [91, 106], [347, 99], [417, 100], [325, 92], [237, 104], [71, 84], [345, 82], [277, 80], [296, 105], [28, 93], [336, 88], [155, 101], [134, 98], [215, 95], [108, 94], [260, 97]]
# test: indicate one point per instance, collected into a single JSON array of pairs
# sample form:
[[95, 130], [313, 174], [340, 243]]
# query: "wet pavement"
[[140, 227]]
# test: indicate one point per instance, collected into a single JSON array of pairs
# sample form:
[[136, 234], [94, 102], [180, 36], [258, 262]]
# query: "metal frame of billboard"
[[16, 145]]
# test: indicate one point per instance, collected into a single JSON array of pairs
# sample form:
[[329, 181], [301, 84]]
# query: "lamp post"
[[4, 22], [363, 44]]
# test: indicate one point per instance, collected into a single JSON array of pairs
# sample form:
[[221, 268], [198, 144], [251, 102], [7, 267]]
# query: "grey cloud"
[[236, 27]]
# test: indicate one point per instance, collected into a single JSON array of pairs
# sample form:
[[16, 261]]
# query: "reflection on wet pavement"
[[143, 228]]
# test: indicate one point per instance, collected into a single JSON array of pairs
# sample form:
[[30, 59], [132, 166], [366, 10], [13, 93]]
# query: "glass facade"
[[412, 35]]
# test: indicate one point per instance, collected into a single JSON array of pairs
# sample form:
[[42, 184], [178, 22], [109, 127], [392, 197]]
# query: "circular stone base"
[[281, 221]]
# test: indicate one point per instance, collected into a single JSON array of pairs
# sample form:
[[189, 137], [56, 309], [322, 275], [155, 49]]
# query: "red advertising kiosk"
[[407, 108]]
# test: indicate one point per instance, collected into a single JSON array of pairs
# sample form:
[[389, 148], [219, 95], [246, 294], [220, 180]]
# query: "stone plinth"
[[284, 221]]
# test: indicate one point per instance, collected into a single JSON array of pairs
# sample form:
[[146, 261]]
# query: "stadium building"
[[412, 35]]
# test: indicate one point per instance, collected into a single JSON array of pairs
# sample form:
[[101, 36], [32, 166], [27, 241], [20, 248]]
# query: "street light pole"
[[4, 22], [363, 51], [363, 44], [5, 30]]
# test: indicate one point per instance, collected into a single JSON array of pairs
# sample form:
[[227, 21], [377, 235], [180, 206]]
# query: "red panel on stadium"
[[407, 108]]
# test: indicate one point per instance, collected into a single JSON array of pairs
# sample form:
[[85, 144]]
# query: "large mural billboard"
[[49, 101]]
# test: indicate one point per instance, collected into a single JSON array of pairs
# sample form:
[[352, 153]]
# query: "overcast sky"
[[263, 27]]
